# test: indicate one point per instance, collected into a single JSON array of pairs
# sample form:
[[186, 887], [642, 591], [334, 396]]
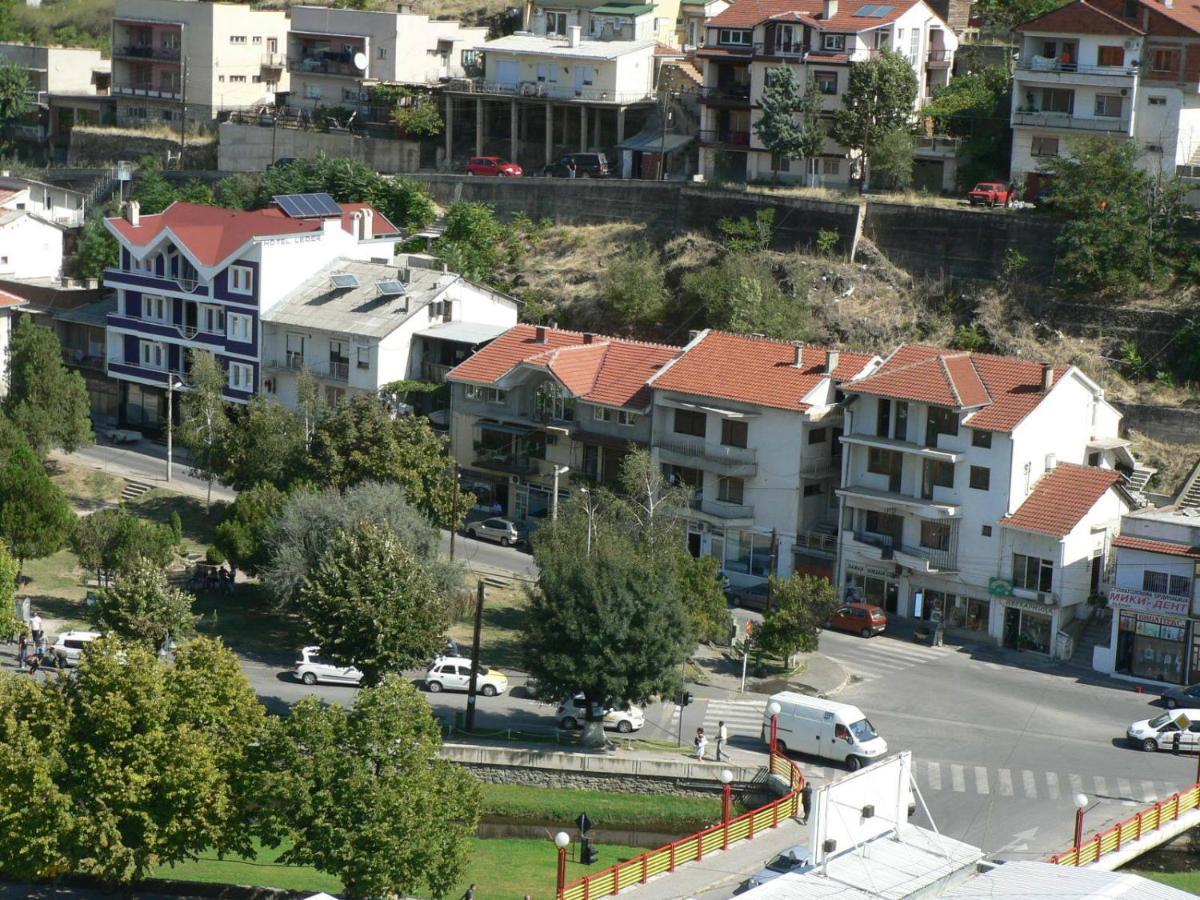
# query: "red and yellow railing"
[[694, 847], [1131, 829]]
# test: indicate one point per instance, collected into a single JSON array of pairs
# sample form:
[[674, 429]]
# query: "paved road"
[[144, 461]]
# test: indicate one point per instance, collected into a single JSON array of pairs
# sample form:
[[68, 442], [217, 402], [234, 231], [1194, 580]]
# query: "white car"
[[453, 673], [312, 668], [1162, 732], [573, 713], [496, 529], [70, 645]]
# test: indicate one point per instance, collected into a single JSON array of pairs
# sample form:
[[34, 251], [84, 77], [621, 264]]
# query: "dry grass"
[[1173, 461], [150, 131]]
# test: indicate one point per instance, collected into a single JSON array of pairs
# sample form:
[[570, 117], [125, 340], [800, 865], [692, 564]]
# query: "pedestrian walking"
[[35, 663], [722, 741], [22, 651], [806, 801], [701, 743], [35, 627], [470, 894]]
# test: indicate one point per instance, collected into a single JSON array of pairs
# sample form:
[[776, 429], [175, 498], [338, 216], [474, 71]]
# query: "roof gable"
[[748, 13], [1079, 17], [1061, 499], [1149, 545]]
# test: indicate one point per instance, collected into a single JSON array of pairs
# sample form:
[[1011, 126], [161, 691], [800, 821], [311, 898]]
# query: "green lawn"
[[86, 488], [55, 588], [158, 504], [605, 809], [501, 869], [503, 613], [1184, 881]]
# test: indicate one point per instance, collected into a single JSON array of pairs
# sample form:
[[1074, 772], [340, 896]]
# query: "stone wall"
[[95, 146], [251, 148], [1163, 423]]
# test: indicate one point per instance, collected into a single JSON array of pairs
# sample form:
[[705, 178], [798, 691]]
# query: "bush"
[[214, 556], [634, 284]]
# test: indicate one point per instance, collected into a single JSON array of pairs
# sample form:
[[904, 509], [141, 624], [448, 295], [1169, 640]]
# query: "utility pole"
[[454, 514], [475, 656], [183, 109], [170, 420], [771, 566]]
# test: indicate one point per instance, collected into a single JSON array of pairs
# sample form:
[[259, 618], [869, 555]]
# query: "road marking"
[[1101, 786], [935, 776], [1052, 785], [1076, 784], [981, 780], [1006, 787], [1149, 794], [1125, 789], [1030, 784], [956, 775]]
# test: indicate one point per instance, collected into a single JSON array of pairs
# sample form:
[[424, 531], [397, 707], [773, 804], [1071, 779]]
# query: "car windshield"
[[863, 731], [1160, 721], [784, 862]]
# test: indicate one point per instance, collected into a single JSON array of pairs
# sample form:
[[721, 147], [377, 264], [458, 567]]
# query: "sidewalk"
[[147, 462], [816, 675]]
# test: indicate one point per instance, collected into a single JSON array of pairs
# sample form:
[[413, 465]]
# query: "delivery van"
[[824, 728]]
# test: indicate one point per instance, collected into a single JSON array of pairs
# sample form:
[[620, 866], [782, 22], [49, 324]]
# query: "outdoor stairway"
[[690, 71], [1189, 495], [1097, 632], [1136, 482], [134, 489]]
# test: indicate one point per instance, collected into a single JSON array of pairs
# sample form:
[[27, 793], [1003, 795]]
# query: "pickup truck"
[[991, 193]]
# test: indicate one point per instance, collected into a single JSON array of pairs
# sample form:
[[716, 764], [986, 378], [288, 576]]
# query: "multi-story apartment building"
[[357, 325], [540, 408], [623, 20], [817, 39], [200, 277], [1117, 68], [751, 426], [981, 487], [172, 56], [1155, 629], [325, 46], [61, 71]]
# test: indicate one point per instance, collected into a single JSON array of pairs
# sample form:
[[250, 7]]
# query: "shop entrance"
[[1012, 627]]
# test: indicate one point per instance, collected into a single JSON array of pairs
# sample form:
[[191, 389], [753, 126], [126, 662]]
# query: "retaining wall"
[[1163, 423], [251, 148], [95, 146]]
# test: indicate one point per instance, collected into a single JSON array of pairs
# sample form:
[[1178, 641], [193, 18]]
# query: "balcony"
[[293, 362], [819, 466], [315, 65], [886, 443], [730, 95], [692, 452], [129, 278], [1072, 122], [727, 512], [92, 360], [885, 548], [546, 90], [516, 463], [147, 51], [1041, 65], [821, 542], [273, 60], [939, 59], [139, 90], [929, 507], [434, 373], [735, 140], [783, 50]]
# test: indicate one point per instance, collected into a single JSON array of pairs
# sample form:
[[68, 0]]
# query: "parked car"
[[991, 193], [572, 714], [70, 646], [493, 165], [502, 531], [1179, 728], [312, 668], [587, 165], [453, 673], [860, 618], [1181, 696], [797, 859], [752, 596]]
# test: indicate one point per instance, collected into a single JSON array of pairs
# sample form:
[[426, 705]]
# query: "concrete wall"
[[103, 146], [251, 148], [1163, 423]]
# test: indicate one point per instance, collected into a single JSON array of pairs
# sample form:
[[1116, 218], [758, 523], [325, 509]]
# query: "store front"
[[872, 584], [958, 612], [1152, 639], [1027, 626]]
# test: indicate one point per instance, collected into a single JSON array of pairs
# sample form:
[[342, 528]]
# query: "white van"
[[818, 727]]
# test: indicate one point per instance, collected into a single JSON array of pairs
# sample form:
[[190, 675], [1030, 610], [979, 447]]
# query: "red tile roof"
[[7, 195], [754, 370], [609, 371], [1062, 498], [748, 13], [1002, 390], [212, 233], [1079, 18], [1152, 546], [381, 227], [8, 300]]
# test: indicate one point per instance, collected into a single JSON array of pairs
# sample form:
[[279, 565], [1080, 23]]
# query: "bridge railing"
[[1136, 826]]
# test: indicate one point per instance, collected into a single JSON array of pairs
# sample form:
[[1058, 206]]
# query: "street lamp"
[[172, 384], [561, 840], [1081, 802], [774, 709], [726, 777]]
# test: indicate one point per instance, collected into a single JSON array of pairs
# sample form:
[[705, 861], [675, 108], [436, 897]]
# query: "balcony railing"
[[315, 65], [138, 90], [792, 49], [817, 541], [146, 51], [273, 60], [294, 362], [699, 447], [723, 509], [939, 560], [730, 93], [1067, 120], [1042, 64], [728, 138], [507, 461], [547, 90], [939, 59]]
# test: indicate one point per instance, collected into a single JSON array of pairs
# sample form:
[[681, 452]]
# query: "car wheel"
[[471, 532], [568, 723], [780, 745], [1150, 745], [504, 542], [866, 632], [309, 678], [434, 687], [853, 763], [1171, 703], [625, 726], [488, 690]]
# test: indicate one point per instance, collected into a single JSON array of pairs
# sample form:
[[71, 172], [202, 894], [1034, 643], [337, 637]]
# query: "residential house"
[[51, 202], [983, 488], [751, 426], [692, 16], [9, 304], [30, 246], [200, 277], [169, 56], [325, 46], [815, 39], [54, 71], [357, 325], [540, 410], [1125, 69], [1153, 598], [82, 334]]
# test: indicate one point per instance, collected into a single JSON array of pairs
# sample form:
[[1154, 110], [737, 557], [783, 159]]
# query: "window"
[[780, 163], [1164, 60], [690, 422], [257, 39], [237, 78], [153, 355], [363, 355], [585, 76], [730, 490], [1044, 146], [734, 36], [902, 420], [241, 376], [257, 79], [556, 23], [237, 39], [816, 435], [383, 53], [938, 474], [981, 478], [1031, 573], [940, 421], [935, 535], [312, 91], [1109, 106], [813, 490], [1110, 56], [887, 524], [552, 403], [156, 309], [883, 416], [1131, 9], [241, 280], [1058, 101], [1156, 100], [1165, 583], [486, 394], [827, 82], [734, 432], [547, 72], [883, 462], [986, 531], [628, 419], [833, 42], [831, 166], [212, 319], [240, 327]]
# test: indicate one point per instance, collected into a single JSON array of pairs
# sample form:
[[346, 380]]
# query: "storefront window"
[[968, 614], [1151, 647], [749, 553], [867, 589], [1035, 632]]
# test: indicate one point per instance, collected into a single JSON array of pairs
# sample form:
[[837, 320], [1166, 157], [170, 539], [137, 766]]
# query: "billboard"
[[862, 806]]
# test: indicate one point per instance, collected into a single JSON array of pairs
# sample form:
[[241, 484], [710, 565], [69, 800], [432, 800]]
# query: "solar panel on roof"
[[866, 11], [308, 206], [880, 12], [344, 280], [391, 288]]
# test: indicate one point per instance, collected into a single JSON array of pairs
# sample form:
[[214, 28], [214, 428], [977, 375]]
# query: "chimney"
[[356, 224], [588, 337], [133, 213], [832, 358], [539, 334], [831, 8], [368, 224], [574, 33], [1051, 462], [1047, 376]]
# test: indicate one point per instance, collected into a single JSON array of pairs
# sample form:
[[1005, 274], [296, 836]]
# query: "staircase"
[[134, 489], [690, 71], [1189, 495], [1136, 482], [1096, 632]]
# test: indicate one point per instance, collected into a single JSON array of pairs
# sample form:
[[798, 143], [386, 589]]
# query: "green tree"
[[204, 425], [790, 124], [420, 119], [373, 603], [746, 235], [800, 606], [893, 158], [634, 285], [239, 191], [355, 793], [1002, 16], [702, 587], [144, 607], [474, 242], [97, 249], [244, 534], [35, 517], [46, 400], [15, 91], [976, 107], [265, 443], [196, 191], [879, 98], [742, 293], [110, 541], [151, 189]]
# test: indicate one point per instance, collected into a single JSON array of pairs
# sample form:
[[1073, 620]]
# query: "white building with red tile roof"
[[9, 304], [30, 246], [751, 426], [815, 39], [984, 488]]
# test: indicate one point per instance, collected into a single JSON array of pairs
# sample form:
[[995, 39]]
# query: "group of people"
[[701, 742], [32, 652]]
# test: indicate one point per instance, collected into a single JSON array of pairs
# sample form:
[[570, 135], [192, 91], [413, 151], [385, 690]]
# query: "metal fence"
[[1133, 828]]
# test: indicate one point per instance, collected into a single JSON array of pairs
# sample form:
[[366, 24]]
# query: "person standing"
[[806, 801], [35, 627], [470, 893], [722, 741], [22, 651], [701, 743], [570, 167]]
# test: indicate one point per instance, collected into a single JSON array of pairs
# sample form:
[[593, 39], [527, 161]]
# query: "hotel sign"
[[1144, 601]]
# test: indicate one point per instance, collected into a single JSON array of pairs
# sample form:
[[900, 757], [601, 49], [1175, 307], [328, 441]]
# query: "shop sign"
[[1148, 602], [856, 568], [999, 587]]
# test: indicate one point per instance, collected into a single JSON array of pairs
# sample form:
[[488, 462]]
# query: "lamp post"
[[774, 709], [558, 471], [726, 777], [172, 384], [561, 840], [1081, 802]]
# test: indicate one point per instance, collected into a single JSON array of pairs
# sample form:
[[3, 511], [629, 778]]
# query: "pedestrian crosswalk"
[[881, 656], [743, 718]]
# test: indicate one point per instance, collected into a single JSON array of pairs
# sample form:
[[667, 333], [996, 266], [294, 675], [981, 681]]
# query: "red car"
[[493, 165], [991, 193], [860, 618]]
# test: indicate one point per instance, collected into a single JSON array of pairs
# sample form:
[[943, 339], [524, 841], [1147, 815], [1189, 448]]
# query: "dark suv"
[[587, 165]]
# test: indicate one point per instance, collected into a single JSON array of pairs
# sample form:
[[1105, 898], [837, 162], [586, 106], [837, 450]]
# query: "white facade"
[[616, 71], [30, 247], [56, 70], [49, 201], [9, 306]]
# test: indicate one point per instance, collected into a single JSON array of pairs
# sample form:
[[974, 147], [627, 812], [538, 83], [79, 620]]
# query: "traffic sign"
[[584, 823]]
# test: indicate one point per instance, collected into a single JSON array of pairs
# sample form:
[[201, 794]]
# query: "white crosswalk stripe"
[[1052, 785], [1006, 785], [1101, 787], [1023, 784], [743, 718], [956, 773], [981, 780], [935, 776], [1148, 792], [1125, 789], [1030, 783], [1076, 784], [880, 657]]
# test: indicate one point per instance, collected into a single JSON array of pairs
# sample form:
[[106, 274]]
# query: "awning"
[[464, 332], [606, 440], [622, 9], [503, 428], [93, 314], [654, 142]]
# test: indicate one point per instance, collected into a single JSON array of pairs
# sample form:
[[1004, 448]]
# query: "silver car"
[[312, 667], [500, 530]]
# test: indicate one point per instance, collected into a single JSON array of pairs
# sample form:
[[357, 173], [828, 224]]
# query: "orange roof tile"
[[748, 13], [1062, 498], [754, 370], [1079, 17], [8, 300], [1152, 546], [605, 370]]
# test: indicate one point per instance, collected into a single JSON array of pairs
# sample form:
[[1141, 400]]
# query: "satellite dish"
[[360, 61]]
